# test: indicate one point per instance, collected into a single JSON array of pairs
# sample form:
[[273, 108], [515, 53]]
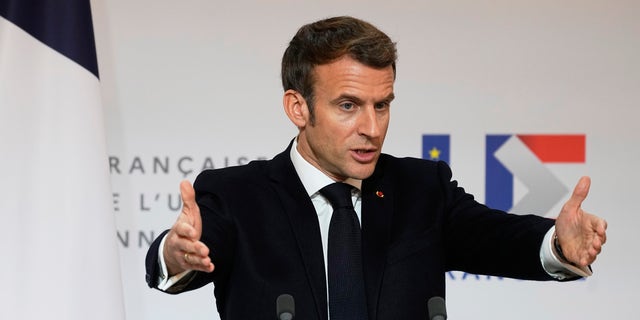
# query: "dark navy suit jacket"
[[264, 237]]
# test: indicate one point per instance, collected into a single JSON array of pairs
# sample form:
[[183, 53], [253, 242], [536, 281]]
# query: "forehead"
[[349, 75]]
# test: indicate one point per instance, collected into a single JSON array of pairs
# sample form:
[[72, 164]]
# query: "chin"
[[362, 173]]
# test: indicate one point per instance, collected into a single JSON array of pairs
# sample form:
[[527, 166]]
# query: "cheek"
[[384, 125], [335, 144], [384, 122], [338, 132]]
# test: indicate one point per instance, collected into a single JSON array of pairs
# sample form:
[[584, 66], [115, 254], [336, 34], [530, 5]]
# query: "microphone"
[[437, 308], [285, 307]]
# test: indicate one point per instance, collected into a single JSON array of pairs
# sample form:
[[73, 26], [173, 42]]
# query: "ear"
[[296, 108]]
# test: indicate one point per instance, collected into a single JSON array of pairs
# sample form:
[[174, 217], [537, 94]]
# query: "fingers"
[[196, 262], [183, 250], [182, 253], [580, 193], [190, 212], [181, 245], [597, 239], [184, 229], [580, 233], [597, 245], [195, 256], [188, 195], [598, 228], [598, 235], [592, 252], [601, 228]]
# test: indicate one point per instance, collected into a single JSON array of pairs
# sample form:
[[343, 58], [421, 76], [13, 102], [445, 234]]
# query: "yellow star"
[[434, 153]]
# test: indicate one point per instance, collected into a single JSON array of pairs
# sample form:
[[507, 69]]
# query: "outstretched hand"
[[182, 248], [581, 235]]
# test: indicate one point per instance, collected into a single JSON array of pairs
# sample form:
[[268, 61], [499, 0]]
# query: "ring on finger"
[[186, 257]]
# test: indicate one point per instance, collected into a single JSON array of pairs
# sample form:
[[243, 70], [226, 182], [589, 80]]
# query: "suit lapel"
[[304, 223], [377, 214]]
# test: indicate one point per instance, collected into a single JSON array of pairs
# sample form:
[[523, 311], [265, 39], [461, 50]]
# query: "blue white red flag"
[[59, 250]]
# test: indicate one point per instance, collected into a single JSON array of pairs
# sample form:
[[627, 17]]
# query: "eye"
[[347, 105], [382, 105]]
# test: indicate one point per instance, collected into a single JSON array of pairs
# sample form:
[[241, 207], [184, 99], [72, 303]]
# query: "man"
[[264, 229]]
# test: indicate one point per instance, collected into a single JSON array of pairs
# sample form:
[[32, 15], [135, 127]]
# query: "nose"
[[369, 123]]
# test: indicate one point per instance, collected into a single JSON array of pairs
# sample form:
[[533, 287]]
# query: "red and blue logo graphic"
[[526, 157]]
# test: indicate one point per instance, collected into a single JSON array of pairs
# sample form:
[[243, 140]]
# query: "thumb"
[[580, 192], [190, 208]]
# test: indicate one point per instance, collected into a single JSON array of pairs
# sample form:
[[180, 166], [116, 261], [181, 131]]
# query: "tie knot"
[[339, 194]]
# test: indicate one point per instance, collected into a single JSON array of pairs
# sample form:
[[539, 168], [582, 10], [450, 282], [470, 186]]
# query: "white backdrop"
[[195, 84]]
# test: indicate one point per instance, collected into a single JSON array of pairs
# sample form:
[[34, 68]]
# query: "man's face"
[[351, 119]]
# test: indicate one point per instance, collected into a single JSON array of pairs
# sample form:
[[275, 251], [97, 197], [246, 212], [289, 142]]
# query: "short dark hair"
[[327, 40]]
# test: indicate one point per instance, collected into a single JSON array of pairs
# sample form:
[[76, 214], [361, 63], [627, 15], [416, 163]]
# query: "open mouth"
[[364, 155]]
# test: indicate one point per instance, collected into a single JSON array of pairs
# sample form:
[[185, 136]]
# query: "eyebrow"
[[359, 101], [390, 97]]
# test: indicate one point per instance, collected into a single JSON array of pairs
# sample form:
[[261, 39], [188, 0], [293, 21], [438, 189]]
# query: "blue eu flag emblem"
[[435, 147]]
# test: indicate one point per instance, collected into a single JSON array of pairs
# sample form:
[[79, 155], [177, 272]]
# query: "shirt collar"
[[312, 178]]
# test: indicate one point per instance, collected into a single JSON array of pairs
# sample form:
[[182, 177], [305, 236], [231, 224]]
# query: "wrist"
[[557, 249]]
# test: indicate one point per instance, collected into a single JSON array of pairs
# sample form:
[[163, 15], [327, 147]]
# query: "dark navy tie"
[[347, 300]]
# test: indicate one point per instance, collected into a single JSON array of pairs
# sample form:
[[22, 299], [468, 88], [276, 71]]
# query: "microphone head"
[[437, 308], [285, 307]]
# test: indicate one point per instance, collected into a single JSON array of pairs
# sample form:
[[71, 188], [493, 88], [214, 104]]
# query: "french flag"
[[59, 250]]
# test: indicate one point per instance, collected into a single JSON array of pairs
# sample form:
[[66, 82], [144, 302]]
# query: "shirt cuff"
[[165, 282], [555, 267]]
